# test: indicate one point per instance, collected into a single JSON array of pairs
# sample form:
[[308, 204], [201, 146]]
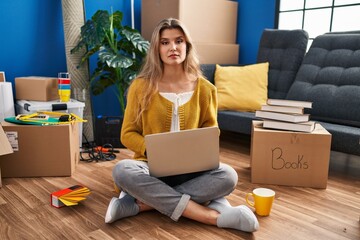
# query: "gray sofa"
[[328, 75]]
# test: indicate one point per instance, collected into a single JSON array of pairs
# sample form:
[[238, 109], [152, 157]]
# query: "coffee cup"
[[262, 200]]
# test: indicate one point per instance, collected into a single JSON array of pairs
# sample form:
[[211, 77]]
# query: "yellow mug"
[[262, 200]]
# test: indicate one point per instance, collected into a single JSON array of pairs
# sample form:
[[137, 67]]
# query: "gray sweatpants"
[[170, 195]]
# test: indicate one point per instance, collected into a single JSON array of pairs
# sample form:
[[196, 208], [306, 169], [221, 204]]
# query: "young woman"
[[170, 94]]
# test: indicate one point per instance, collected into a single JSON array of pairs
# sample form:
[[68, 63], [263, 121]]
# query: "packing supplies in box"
[[41, 151], [290, 158], [207, 21], [219, 53], [73, 106], [36, 88]]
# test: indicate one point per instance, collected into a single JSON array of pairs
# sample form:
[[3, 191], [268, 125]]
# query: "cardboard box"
[[290, 158], [217, 53], [5, 147], [36, 88], [207, 21], [40, 151]]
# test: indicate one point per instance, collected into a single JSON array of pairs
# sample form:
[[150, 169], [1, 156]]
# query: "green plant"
[[120, 52]]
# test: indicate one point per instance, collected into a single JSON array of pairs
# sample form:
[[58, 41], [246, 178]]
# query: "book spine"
[[55, 202]]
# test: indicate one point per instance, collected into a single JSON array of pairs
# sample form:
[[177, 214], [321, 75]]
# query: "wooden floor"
[[298, 213]]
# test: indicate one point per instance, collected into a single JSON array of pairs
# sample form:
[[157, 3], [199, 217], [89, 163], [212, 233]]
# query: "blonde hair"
[[153, 67]]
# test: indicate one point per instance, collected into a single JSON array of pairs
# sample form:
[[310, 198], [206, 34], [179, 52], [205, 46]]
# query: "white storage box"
[[73, 106]]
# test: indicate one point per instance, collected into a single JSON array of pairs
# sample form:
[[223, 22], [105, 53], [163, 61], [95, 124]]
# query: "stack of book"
[[286, 115], [69, 196]]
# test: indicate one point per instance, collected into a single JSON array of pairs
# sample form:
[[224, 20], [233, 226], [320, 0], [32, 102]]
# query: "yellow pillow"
[[242, 88]]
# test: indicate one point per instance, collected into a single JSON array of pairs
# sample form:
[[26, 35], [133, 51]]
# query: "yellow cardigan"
[[199, 111]]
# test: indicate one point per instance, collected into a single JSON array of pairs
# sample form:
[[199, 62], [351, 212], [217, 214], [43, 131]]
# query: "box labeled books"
[[290, 158], [69, 196]]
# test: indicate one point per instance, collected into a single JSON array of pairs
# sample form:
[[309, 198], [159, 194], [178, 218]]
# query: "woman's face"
[[172, 46]]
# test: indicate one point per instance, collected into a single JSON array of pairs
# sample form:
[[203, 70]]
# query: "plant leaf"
[[117, 18], [128, 76], [136, 39], [101, 84], [94, 30], [88, 54], [120, 52], [115, 60]]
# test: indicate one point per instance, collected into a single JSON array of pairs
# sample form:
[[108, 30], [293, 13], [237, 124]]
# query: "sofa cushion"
[[242, 88], [233, 121], [209, 70], [284, 50], [329, 77], [344, 138]]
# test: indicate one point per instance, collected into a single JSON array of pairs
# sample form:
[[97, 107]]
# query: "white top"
[[177, 100]]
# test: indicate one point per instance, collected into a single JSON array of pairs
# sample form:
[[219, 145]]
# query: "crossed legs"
[[174, 201]]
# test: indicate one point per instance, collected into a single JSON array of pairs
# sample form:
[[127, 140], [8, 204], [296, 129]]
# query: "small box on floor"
[[290, 158], [40, 151]]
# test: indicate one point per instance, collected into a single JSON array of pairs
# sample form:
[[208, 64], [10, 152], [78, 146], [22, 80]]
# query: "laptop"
[[187, 151]]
